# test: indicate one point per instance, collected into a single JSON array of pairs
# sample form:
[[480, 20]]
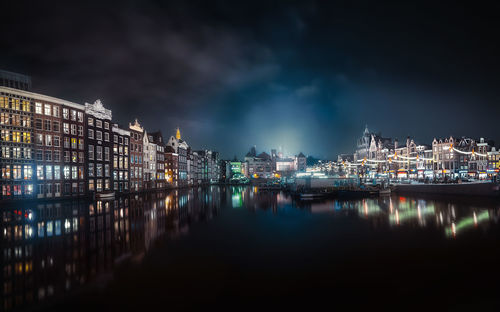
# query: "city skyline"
[[307, 76], [266, 154]]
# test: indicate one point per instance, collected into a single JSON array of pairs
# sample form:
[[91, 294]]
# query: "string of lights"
[[412, 160]]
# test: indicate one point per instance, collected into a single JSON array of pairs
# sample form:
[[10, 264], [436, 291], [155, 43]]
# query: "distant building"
[[171, 166], [285, 166], [493, 161], [300, 162], [181, 148], [363, 145], [260, 166]]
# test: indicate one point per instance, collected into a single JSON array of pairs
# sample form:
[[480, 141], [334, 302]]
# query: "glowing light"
[[467, 223]]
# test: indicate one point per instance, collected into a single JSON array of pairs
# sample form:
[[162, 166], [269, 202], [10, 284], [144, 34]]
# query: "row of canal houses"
[[53, 148], [450, 157]]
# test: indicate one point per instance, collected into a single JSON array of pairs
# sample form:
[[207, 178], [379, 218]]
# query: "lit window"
[[38, 108], [47, 110]]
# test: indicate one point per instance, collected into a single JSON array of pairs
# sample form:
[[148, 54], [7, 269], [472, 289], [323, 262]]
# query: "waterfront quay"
[[442, 160], [217, 246]]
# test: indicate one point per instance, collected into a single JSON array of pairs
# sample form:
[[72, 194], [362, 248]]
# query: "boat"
[[107, 195], [358, 192], [485, 188], [312, 196], [384, 192]]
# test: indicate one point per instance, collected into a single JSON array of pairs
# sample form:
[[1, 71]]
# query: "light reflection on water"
[[453, 218], [50, 249]]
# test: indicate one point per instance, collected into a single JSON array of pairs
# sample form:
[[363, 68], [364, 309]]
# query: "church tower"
[[178, 134]]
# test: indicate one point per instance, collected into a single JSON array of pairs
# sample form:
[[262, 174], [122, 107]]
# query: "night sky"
[[306, 76]]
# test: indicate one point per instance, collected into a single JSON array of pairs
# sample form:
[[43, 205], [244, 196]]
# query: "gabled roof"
[[169, 149], [157, 137], [301, 155], [264, 155]]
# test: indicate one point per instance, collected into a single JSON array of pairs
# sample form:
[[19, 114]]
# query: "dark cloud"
[[306, 76]]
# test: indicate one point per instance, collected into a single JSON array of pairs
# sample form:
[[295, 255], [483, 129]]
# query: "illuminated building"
[[121, 173], [300, 162], [285, 165], [194, 167], [181, 149], [17, 164], [493, 161], [160, 159], [136, 147], [207, 166], [480, 158], [99, 146], [453, 157], [171, 166], [149, 162], [260, 166], [215, 161], [52, 148], [59, 148], [363, 145], [43, 146]]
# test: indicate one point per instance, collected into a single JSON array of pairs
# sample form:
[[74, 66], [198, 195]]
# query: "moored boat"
[[312, 196], [107, 195], [468, 189], [384, 192]]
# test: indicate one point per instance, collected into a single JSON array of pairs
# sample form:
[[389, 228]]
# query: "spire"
[[178, 134]]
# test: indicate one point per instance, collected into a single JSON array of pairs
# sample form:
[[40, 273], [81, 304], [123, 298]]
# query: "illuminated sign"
[[235, 167]]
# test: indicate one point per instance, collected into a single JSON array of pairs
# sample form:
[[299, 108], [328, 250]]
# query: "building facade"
[[149, 162], [160, 159], [16, 127], [99, 147], [171, 167], [73, 138], [136, 157], [121, 168], [181, 149]]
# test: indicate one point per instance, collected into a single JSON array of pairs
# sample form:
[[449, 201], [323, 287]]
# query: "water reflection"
[[49, 249], [52, 248], [452, 218]]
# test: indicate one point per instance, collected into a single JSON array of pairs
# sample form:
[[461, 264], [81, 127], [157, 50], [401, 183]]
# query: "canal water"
[[241, 248]]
